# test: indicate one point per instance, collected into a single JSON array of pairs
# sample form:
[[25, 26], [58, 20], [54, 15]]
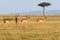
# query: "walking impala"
[[7, 20]]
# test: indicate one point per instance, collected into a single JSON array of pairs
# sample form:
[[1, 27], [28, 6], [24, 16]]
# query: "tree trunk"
[[44, 13]]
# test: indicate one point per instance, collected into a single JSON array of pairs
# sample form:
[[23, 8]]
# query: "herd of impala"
[[24, 20]]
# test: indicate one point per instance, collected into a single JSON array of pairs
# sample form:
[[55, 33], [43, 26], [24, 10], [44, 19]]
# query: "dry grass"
[[32, 30]]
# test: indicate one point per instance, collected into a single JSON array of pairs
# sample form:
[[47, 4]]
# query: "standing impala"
[[41, 20]]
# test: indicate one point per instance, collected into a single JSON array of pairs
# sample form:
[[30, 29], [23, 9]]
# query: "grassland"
[[32, 30]]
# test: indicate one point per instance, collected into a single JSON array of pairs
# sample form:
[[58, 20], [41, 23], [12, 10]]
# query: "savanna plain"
[[49, 29]]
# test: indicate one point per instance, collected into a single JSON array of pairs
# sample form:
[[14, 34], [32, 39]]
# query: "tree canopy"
[[43, 4]]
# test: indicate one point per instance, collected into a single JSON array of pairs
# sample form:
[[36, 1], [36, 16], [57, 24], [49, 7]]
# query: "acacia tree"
[[44, 4]]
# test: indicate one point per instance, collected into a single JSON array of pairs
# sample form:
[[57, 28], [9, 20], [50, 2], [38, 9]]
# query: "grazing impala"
[[41, 20], [25, 20], [7, 20]]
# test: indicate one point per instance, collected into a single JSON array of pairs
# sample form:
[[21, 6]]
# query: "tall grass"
[[31, 30]]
